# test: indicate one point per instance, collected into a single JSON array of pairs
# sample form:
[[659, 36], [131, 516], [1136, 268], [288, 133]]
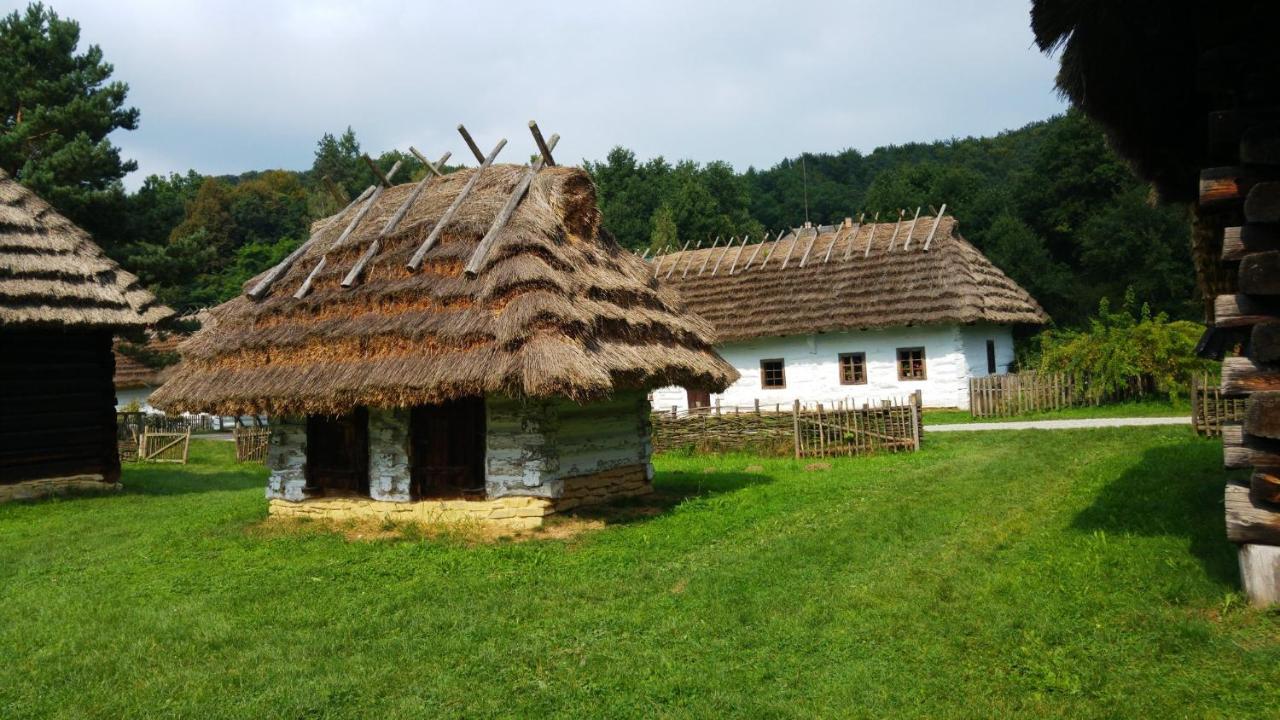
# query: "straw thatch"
[[557, 309], [1148, 70], [131, 373], [51, 272], [843, 287]]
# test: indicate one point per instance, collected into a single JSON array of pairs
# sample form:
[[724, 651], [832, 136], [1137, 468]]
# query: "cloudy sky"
[[234, 85]]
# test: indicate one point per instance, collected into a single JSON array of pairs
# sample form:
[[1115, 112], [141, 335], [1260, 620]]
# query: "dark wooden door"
[[338, 453], [446, 449], [698, 398]]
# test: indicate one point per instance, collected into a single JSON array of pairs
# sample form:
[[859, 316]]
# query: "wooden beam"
[[707, 259], [1249, 521], [1240, 241], [1264, 342], [808, 248], [736, 258], [1264, 485], [754, 253], [792, 248], [834, 239], [723, 252], [542, 144], [645, 256], [1242, 311], [1262, 204], [311, 276], [1260, 273], [377, 171], [475, 149], [911, 229], [1262, 415], [413, 196], [875, 223], [415, 262], [364, 209], [1220, 185], [1241, 376], [676, 264], [853, 236], [896, 228], [486, 243], [434, 169]]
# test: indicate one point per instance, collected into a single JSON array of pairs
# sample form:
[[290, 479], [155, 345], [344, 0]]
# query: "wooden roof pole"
[[897, 226], [792, 249], [724, 252], [707, 259], [427, 163], [677, 262], [486, 243], [311, 276], [812, 241], [383, 180], [907, 245], [941, 211], [736, 258], [875, 222], [390, 227], [773, 250], [475, 149], [853, 236], [415, 262], [542, 144], [759, 247], [277, 272], [645, 256], [695, 249]]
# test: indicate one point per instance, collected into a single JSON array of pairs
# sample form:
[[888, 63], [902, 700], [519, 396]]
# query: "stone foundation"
[[44, 487], [510, 512]]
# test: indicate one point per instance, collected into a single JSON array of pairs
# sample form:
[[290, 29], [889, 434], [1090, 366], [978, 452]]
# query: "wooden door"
[[338, 453], [697, 398], [446, 449]]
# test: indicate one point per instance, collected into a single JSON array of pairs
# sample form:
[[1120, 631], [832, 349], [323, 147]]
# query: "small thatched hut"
[[61, 299], [434, 393], [1190, 94], [864, 310]]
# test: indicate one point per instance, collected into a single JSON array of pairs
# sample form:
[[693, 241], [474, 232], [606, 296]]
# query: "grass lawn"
[[1035, 574], [1137, 408]]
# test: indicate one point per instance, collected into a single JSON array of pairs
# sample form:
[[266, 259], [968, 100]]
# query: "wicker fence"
[[838, 428], [251, 443], [1018, 393], [1210, 410]]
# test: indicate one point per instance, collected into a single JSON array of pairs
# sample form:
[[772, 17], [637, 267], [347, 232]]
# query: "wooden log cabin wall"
[[1189, 93], [61, 301]]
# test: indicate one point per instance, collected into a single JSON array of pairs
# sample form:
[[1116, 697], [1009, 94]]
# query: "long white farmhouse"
[[851, 311]]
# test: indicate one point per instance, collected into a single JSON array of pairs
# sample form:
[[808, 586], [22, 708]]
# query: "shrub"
[[1126, 354]]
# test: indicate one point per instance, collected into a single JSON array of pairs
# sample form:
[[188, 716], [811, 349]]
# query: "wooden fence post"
[[795, 422]]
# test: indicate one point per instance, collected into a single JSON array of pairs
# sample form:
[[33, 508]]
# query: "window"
[[772, 374], [911, 363], [991, 357], [853, 368], [697, 398], [446, 449], [338, 453]]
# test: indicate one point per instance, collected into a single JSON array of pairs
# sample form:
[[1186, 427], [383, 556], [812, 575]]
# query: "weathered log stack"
[[1187, 92], [1249, 319]]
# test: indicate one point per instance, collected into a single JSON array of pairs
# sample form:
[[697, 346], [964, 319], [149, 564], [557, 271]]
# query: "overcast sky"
[[236, 85]]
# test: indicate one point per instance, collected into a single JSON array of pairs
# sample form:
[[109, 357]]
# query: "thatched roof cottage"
[[61, 300], [855, 310], [423, 358]]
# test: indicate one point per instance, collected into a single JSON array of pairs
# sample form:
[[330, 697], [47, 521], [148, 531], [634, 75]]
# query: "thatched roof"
[[51, 272], [558, 308], [842, 286], [1148, 70], [132, 373]]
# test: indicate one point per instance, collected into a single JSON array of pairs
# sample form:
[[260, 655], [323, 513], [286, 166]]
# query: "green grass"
[[1137, 408], [990, 575]]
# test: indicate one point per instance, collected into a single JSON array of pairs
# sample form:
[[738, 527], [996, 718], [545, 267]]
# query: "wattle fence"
[[815, 430], [1210, 410], [1019, 393]]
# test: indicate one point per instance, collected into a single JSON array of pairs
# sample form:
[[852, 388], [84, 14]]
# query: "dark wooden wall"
[[57, 404]]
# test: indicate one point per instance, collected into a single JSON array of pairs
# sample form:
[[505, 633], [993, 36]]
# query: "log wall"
[[57, 405]]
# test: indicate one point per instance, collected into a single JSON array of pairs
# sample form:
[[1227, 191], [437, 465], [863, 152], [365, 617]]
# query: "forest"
[[1049, 203]]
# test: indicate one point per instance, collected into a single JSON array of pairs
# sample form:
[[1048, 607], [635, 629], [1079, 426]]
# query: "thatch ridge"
[[52, 273], [951, 282], [558, 308]]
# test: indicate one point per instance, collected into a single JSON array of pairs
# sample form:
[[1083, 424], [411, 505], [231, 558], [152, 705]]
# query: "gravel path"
[[1059, 424]]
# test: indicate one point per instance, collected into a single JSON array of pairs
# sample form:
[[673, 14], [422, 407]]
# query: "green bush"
[[1126, 354]]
